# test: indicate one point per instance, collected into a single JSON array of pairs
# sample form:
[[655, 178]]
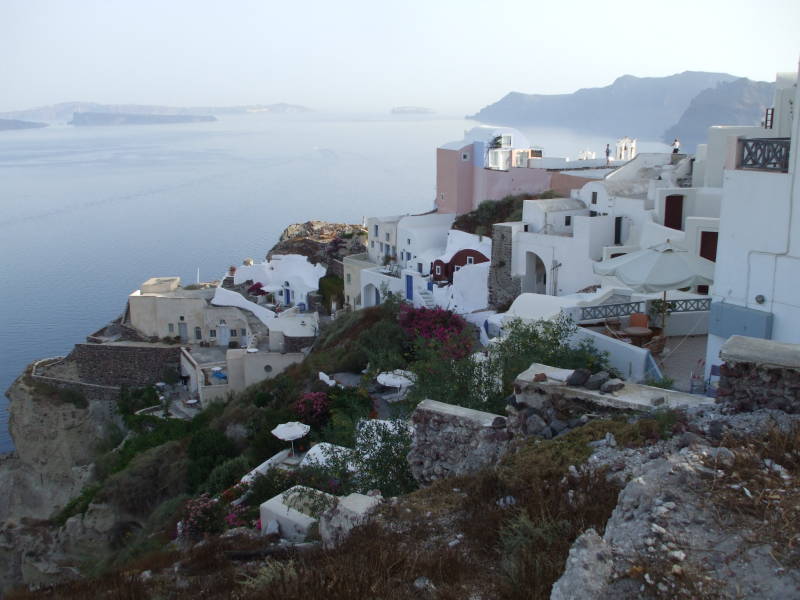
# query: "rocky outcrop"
[[674, 533], [322, 242]]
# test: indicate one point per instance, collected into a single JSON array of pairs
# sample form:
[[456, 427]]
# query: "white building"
[[755, 291], [290, 277]]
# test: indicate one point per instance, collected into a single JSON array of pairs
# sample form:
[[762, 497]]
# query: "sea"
[[88, 213]]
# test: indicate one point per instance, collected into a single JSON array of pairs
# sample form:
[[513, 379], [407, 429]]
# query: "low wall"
[[124, 364], [295, 344], [759, 373], [451, 440]]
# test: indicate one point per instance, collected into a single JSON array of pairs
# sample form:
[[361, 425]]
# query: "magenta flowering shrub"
[[236, 516], [313, 408], [203, 515], [437, 326], [257, 289]]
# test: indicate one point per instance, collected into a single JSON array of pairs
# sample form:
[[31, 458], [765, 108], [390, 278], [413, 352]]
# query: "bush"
[[226, 474], [78, 505], [207, 449], [203, 515], [448, 331], [384, 345], [332, 288], [312, 408]]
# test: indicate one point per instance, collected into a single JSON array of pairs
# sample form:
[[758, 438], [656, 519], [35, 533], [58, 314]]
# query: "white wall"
[[629, 360]]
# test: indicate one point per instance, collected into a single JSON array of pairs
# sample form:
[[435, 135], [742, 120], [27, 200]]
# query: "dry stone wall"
[[503, 287], [130, 364], [452, 440], [759, 374]]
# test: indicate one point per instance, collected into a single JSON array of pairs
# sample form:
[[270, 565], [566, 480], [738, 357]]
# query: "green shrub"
[[78, 505], [226, 474], [207, 449], [527, 547], [332, 288]]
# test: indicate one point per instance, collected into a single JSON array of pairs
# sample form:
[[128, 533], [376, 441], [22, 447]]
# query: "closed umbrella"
[[291, 431], [658, 269]]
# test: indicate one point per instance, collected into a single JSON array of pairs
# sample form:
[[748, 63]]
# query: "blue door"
[[409, 287]]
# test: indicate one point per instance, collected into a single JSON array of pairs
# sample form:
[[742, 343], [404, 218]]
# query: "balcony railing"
[[764, 154]]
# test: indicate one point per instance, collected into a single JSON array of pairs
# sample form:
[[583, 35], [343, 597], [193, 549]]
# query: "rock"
[[691, 440], [506, 501], [557, 426], [423, 584], [579, 377], [612, 385], [716, 429], [588, 569], [723, 456], [534, 424], [610, 440], [596, 381]]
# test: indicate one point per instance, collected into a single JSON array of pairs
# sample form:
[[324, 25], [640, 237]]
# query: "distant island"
[[64, 111], [9, 124], [86, 119], [412, 110]]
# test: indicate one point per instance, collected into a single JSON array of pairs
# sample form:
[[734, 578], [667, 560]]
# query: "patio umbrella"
[[291, 431], [397, 379], [658, 269]]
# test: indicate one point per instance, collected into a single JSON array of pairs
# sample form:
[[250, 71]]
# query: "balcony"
[[763, 154]]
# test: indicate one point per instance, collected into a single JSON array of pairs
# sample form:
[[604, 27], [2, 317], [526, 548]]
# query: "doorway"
[[673, 212]]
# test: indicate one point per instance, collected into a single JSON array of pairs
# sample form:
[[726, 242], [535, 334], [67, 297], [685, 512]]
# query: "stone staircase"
[[427, 298]]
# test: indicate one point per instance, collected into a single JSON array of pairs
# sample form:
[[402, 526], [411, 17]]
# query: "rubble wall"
[[452, 440], [759, 373], [503, 286], [134, 365]]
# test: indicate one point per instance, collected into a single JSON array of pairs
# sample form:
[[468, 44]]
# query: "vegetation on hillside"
[[489, 212]]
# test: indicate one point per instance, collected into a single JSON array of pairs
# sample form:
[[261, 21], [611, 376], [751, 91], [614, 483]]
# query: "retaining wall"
[[128, 364], [759, 373]]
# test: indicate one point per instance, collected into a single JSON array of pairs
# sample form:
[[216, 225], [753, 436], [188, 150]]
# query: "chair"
[[639, 320]]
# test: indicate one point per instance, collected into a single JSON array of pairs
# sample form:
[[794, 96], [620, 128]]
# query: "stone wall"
[[451, 440], [759, 374], [128, 364], [295, 344], [503, 287]]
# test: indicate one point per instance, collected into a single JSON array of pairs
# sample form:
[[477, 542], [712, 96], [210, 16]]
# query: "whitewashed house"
[[290, 277], [755, 291]]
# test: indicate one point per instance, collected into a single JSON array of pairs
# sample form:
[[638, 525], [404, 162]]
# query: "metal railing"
[[609, 311], [689, 305], [764, 154], [624, 309]]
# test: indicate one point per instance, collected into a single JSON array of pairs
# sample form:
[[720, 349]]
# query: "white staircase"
[[427, 298]]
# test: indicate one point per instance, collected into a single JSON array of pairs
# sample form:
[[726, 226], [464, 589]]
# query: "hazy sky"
[[455, 56]]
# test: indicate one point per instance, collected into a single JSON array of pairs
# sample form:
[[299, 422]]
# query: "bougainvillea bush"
[[435, 326], [313, 408], [203, 515]]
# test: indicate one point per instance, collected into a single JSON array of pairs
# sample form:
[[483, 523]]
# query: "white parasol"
[[397, 379], [658, 269], [291, 431]]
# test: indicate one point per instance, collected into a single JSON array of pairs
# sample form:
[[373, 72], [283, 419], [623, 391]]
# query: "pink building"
[[488, 164]]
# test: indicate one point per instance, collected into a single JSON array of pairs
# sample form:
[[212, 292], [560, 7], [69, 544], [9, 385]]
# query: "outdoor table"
[[638, 334]]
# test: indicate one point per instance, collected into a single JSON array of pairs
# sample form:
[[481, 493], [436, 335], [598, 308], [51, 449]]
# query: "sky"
[[364, 56]]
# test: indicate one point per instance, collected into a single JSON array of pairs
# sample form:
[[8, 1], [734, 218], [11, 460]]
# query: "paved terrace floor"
[[681, 357]]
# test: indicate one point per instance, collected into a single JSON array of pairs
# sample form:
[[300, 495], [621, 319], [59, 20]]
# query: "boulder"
[[612, 385], [596, 381], [579, 377], [588, 569]]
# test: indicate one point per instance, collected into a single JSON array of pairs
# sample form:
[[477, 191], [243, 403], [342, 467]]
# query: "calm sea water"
[[87, 214]]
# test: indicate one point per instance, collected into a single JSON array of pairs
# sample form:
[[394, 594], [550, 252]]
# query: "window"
[[381, 246], [198, 333], [419, 267], [387, 236], [376, 231], [438, 269], [234, 333], [212, 333], [525, 227], [470, 260], [171, 328], [458, 267], [568, 220], [347, 299], [243, 332], [594, 197], [268, 368], [372, 244], [464, 156], [222, 321], [506, 141], [180, 318], [349, 278], [408, 242], [441, 196]]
